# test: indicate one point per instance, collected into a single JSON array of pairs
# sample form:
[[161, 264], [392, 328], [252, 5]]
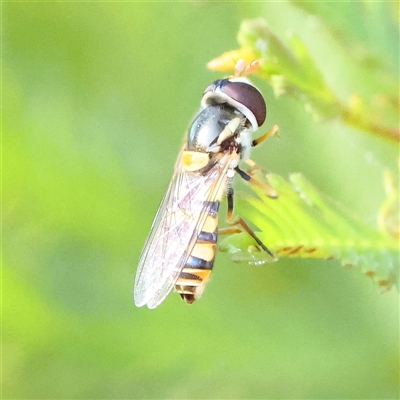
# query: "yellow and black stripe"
[[197, 270]]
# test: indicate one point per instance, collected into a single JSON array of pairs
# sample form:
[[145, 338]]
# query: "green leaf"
[[302, 222]]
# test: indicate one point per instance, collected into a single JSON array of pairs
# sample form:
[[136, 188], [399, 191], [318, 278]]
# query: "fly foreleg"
[[273, 131]]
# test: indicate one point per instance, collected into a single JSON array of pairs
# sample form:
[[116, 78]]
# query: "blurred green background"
[[96, 98]]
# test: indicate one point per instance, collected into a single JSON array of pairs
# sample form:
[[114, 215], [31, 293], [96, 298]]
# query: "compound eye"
[[209, 88], [249, 96], [214, 86]]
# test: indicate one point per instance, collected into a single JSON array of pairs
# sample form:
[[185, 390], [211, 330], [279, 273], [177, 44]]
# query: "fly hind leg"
[[238, 224]]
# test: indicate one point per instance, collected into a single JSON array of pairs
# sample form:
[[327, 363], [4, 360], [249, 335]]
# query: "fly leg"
[[238, 224], [273, 131], [268, 190], [254, 168]]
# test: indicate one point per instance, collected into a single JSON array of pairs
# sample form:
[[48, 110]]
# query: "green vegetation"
[[96, 98]]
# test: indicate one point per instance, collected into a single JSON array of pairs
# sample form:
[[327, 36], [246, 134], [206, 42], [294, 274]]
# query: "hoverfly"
[[180, 249]]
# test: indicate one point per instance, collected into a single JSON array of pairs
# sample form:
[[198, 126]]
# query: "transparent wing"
[[174, 231]]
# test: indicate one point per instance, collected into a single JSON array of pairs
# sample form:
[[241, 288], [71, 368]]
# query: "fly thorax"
[[215, 130], [210, 124]]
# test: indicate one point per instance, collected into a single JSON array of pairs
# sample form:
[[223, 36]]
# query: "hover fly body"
[[180, 249]]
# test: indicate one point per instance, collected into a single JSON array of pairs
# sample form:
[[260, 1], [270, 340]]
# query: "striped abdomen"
[[196, 272]]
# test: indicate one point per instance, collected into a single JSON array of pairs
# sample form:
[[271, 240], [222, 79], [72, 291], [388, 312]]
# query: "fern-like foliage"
[[302, 222]]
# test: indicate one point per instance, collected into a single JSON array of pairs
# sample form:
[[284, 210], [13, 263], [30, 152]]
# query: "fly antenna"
[[243, 69]]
